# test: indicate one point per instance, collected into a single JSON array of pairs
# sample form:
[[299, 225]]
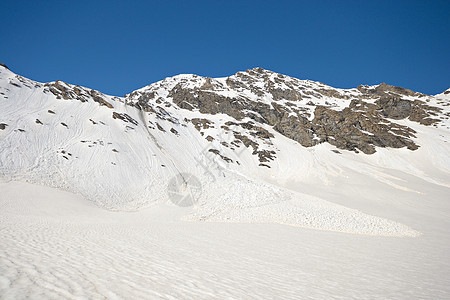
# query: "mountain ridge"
[[282, 118], [261, 146]]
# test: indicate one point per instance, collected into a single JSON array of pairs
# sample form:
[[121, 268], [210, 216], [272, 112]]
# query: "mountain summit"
[[255, 146]]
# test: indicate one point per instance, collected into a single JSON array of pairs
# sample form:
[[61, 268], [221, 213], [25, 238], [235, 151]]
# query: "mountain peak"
[[241, 137]]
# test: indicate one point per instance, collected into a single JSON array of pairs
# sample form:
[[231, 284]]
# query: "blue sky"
[[117, 47]]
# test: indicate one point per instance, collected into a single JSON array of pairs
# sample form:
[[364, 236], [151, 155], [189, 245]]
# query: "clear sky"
[[117, 47]]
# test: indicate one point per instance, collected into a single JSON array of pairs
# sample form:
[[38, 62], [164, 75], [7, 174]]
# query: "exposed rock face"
[[67, 91], [394, 107], [98, 97], [352, 130], [206, 102], [384, 89], [124, 117], [201, 123], [308, 112], [217, 152]]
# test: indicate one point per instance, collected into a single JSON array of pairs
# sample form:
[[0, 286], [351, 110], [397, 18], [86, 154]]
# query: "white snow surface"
[[85, 210], [57, 245]]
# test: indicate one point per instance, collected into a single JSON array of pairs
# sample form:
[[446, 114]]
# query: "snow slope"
[[56, 245], [123, 156]]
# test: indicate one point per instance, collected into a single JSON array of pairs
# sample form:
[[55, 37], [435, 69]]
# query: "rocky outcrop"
[[384, 89], [354, 131], [310, 113], [124, 117], [217, 152], [201, 123], [360, 130], [62, 91], [206, 102], [394, 107], [99, 98], [66, 91]]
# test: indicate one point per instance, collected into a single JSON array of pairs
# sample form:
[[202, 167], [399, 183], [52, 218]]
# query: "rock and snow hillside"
[[253, 147]]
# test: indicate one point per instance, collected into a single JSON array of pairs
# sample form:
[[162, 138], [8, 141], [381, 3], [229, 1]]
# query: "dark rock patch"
[[124, 117], [160, 128], [4, 66], [215, 151], [361, 127], [99, 98], [15, 84], [202, 123]]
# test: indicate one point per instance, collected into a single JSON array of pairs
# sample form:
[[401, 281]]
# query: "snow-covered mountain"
[[257, 146]]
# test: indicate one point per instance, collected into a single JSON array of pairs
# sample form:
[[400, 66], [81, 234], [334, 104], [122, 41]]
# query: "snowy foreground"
[[57, 245]]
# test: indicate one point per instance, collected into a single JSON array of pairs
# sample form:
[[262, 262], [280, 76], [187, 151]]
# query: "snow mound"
[[241, 200]]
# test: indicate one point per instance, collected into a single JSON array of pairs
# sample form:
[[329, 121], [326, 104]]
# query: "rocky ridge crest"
[[308, 112], [259, 103]]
